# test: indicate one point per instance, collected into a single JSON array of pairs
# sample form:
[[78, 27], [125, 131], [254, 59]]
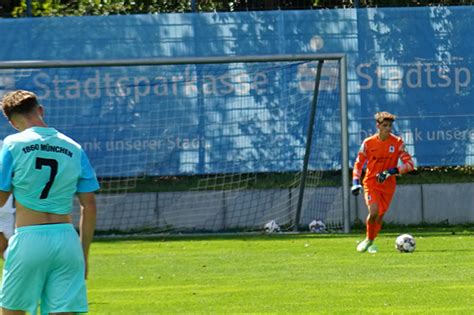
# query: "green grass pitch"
[[286, 274], [298, 274]]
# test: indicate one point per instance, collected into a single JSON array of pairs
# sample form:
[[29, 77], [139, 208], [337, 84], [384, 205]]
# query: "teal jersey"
[[44, 168]]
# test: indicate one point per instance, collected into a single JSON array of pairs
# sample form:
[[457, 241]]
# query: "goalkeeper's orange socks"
[[373, 229], [370, 228], [378, 227]]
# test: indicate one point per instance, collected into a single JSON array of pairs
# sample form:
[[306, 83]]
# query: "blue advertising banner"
[[414, 62]]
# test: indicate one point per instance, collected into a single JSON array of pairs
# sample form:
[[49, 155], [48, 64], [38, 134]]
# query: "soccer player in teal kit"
[[44, 169]]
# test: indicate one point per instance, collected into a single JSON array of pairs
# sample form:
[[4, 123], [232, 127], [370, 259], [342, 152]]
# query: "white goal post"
[[204, 144]]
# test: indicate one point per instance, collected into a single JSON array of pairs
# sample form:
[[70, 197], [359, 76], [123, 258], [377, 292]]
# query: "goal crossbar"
[[28, 64]]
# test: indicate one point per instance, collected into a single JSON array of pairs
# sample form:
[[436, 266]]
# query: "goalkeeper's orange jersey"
[[380, 156]]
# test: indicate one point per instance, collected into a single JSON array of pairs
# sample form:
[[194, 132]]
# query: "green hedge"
[[424, 175]]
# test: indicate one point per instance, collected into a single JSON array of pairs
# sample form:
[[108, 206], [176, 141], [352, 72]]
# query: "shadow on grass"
[[390, 231], [284, 236]]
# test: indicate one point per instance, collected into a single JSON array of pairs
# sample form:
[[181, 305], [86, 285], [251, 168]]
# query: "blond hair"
[[20, 102], [381, 116]]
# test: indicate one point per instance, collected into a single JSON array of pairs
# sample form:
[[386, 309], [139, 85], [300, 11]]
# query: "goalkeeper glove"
[[382, 177], [356, 187]]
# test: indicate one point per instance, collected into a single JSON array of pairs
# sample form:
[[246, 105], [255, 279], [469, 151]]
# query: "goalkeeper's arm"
[[382, 176], [407, 166], [357, 173], [356, 187]]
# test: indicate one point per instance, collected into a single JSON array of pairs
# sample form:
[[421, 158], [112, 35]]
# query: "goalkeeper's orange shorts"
[[382, 198]]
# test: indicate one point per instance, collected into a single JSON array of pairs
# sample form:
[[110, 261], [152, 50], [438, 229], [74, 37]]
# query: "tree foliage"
[[18, 8]]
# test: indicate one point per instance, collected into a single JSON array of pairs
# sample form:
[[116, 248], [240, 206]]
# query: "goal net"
[[201, 145]]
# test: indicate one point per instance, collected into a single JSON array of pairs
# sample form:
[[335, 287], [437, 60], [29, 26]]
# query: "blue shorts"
[[45, 264]]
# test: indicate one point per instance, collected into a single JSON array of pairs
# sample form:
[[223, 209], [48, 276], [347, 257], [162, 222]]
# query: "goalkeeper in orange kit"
[[381, 152]]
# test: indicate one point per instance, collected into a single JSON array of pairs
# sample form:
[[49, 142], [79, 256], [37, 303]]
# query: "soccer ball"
[[405, 243], [317, 226], [271, 227]]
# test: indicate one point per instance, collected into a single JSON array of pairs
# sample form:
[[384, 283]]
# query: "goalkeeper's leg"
[[377, 204], [383, 205], [373, 224], [374, 201]]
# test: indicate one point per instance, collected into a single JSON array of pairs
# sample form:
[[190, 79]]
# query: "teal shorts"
[[45, 264]]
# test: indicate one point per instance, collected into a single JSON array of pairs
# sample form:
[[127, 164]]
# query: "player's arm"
[[87, 222], [86, 187], [6, 174], [4, 195], [406, 166], [357, 172]]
